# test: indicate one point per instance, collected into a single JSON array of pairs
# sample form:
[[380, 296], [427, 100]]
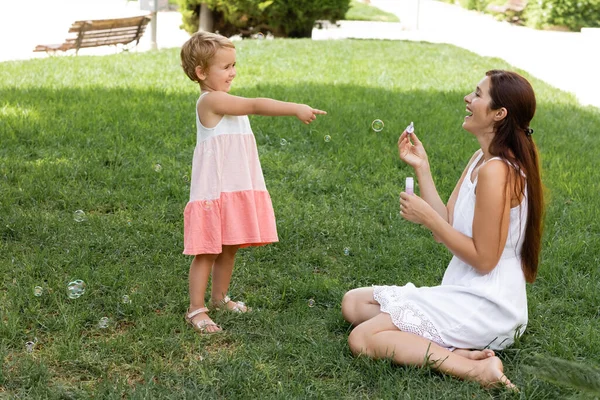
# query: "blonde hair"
[[199, 50]]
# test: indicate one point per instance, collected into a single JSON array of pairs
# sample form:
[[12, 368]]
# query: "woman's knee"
[[356, 304], [357, 341], [349, 304], [362, 340]]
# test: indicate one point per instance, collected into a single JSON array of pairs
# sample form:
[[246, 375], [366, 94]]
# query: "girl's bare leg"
[[221, 273], [380, 338], [359, 306], [199, 273]]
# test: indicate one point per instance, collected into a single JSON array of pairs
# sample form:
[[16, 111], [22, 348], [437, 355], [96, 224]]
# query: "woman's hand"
[[412, 154], [415, 209]]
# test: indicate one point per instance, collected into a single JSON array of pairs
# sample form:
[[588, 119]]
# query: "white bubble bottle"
[[409, 185]]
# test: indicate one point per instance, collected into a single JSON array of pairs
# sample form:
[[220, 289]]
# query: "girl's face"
[[480, 118], [221, 71]]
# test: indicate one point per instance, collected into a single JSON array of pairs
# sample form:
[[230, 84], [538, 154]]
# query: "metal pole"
[[153, 24], [418, 9]]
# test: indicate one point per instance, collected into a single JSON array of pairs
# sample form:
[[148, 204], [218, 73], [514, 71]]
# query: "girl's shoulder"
[[203, 96], [216, 100]]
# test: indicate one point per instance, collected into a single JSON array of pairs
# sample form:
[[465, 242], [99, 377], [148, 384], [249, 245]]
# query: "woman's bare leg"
[[358, 305], [198, 282], [380, 338]]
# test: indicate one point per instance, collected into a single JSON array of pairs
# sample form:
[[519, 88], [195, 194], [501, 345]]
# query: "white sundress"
[[468, 310]]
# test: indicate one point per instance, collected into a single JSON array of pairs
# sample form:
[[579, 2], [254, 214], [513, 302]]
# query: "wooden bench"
[[511, 10], [101, 32]]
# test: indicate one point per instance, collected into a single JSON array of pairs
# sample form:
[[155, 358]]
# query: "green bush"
[[571, 14], [547, 14], [280, 17]]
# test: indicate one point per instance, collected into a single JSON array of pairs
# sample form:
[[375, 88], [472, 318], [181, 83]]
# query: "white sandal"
[[238, 306], [202, 324]]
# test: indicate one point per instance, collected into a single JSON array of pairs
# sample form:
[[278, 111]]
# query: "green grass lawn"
[[360, 11], [86, 133]]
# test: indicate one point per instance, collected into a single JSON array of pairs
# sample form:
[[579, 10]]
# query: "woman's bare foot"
[[490, 373], [475, 354]]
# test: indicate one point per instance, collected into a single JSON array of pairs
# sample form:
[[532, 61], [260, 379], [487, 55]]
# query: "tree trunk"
[[206, 19]]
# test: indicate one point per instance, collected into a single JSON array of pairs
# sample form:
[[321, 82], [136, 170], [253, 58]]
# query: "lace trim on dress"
[[406, 315]]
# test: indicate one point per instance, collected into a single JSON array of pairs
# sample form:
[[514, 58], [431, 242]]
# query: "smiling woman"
[[481, 304]]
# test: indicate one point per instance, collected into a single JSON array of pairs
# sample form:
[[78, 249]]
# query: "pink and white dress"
[[229, 202]]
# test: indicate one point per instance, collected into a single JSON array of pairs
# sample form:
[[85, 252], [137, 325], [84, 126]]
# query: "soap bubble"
[[327, 138], [185, 178], [346, 251], [103, 323], [76, 289], [79, 216], [311, 303], [37, 291], [158, 167], [125, 299], [29, 346], [377, 125], [260, 36], [283, 142]]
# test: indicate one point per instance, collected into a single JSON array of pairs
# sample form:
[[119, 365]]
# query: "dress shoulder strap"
[[474, 163], [201, 94]]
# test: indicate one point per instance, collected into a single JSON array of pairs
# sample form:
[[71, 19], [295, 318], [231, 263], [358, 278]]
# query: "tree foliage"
[[282, 18]]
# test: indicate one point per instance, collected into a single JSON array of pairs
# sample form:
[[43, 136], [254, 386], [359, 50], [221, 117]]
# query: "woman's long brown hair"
[[513, 142]]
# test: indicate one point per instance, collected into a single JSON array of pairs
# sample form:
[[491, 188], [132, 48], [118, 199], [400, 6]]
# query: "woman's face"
[[480, 118]]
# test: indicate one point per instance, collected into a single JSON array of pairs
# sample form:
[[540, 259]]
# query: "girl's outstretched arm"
[[221, 103]]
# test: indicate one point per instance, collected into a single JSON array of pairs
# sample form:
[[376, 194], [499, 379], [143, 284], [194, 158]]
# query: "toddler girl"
[[229, 204]]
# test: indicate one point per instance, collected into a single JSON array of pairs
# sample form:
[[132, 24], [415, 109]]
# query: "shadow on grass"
[[98, 150]]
